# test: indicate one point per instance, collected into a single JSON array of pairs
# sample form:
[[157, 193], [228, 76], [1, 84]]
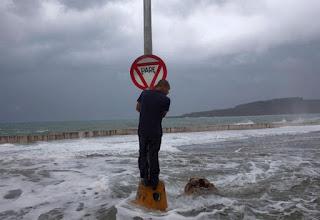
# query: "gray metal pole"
[[147, 27]]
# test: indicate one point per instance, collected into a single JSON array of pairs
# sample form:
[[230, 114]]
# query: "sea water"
[[34, 128], [260, 174]]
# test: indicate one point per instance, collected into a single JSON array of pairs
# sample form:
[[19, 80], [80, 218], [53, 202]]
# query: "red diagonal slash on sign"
[[141, 77], [155, 77], [147, 61]]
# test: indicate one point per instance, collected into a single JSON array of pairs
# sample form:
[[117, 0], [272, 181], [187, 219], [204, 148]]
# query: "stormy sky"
[[70, 59]]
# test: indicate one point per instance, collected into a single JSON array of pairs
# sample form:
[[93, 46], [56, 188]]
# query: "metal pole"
[[147, 27]]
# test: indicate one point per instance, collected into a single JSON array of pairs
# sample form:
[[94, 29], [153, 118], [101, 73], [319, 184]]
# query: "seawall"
[[23, 139]]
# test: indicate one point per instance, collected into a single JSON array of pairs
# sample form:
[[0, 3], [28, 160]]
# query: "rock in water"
[[13, 194], [197, 186]]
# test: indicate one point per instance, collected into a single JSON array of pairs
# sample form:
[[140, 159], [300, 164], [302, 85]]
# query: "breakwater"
[[16, 139]]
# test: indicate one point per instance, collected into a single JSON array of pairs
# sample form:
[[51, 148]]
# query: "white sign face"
[[147, 70]]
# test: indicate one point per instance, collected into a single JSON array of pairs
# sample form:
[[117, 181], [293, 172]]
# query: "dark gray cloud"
[[69, 60], [24, 8]]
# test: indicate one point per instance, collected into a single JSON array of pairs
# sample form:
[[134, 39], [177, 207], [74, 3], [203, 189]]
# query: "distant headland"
[[292, 105]]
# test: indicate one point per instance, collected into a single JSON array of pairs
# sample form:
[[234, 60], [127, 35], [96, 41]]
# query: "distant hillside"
[[295, 105]]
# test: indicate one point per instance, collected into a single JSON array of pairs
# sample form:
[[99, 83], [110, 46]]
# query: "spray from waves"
[[283, 121], [302, 120], [42, 131], [299, 120], [129, 144], [246, 122]]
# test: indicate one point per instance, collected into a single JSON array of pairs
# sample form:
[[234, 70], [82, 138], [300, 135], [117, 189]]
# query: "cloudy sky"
[[70, 59]]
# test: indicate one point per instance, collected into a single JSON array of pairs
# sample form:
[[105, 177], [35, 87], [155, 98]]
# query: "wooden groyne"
[[22, 139]]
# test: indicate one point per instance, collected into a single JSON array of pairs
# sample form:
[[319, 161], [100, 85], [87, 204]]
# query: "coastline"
[[25, 139]]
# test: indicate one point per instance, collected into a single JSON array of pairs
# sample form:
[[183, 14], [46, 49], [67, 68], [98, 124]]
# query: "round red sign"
[[147, 70]]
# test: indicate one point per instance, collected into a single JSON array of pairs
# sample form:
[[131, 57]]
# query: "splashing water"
[[260, 174]]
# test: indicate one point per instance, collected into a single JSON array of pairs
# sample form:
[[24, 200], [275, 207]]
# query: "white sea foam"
[[74, 176], [129, 144], [180, 139]]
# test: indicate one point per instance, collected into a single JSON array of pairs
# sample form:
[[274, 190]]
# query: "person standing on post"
[[153, 106]]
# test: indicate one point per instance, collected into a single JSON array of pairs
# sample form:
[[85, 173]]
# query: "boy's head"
[[163, 86]]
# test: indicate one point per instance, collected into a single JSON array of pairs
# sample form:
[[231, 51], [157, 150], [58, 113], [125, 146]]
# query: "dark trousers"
[[148, 158]]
